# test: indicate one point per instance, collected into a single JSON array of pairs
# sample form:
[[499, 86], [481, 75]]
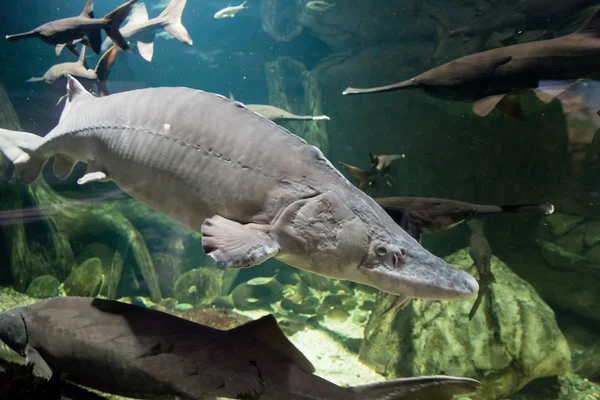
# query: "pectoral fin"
[[235, 245], [507, 103], [41, 368]]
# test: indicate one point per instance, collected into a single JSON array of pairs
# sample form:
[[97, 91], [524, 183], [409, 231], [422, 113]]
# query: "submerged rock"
[[512, 340], [85, 280], [199, 286], [167, 269], [257, 293], [43, 287]]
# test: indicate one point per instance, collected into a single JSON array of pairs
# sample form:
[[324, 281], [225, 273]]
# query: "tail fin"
[[172, 20], [22, 35], [243, 5], [410, 83], [321, 118], [21, 149], [426, 387], [104, 67], [114, 19], [359, 174]]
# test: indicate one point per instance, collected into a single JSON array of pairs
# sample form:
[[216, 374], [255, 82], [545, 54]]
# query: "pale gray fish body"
[[142, 353], [253, 189], [274, 113], [142, 30], [77, 69]]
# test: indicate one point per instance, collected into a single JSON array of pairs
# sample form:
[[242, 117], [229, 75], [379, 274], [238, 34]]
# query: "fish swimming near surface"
[[137, 352], [481, 253], [319, 5], [495, 78], [254, 190], [275, 114], [142, 30], [418, 215], [231, 11], [80, 70], [68, 31]]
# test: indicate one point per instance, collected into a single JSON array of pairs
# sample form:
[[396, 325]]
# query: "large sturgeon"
[[252, 188]]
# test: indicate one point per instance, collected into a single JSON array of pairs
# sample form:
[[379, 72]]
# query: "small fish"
[[383, 162], [319, 5], [79, 69], [275, 114], [67, 31], [481, 253], [142, 30], [365, 179], [230, 12], [495, 79], [138, 352], [418, 215]]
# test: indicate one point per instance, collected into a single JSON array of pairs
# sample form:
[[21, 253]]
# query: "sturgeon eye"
[[381, 250]]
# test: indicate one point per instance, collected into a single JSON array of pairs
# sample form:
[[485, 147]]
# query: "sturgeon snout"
[[412, 271]]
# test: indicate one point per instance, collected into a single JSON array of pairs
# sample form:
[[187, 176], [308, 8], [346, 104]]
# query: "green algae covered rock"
[[168, 270], [43, 287], [512, 339], [199, 286], [85, 280]]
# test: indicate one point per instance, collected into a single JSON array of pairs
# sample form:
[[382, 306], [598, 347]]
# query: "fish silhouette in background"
[[137, 352], [381, 165], [494, 79], [80, 70], [319, 5], [418, 215], [481, 253], [68, 31], [142, 30]]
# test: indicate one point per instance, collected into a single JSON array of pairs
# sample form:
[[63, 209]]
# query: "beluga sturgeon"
[[493, 79], [137, 352], [253, 189], [68, 31]]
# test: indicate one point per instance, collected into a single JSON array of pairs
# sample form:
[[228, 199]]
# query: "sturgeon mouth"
[[436, 280]]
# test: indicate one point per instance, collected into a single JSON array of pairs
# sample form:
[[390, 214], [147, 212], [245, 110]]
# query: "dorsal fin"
[[138, 15], [75, 93], [88, 10], [268, 332], [592, 25]]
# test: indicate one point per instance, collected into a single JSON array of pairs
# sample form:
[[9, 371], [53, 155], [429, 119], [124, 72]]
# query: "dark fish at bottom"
[[137, 352]]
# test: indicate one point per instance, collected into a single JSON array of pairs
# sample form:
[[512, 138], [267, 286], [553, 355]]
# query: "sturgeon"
[[253, 189], [142, 353], [493, 79], [142, 30], [68, 31]]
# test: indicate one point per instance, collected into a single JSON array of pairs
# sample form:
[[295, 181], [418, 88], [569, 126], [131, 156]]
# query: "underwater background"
[[536, 334]]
